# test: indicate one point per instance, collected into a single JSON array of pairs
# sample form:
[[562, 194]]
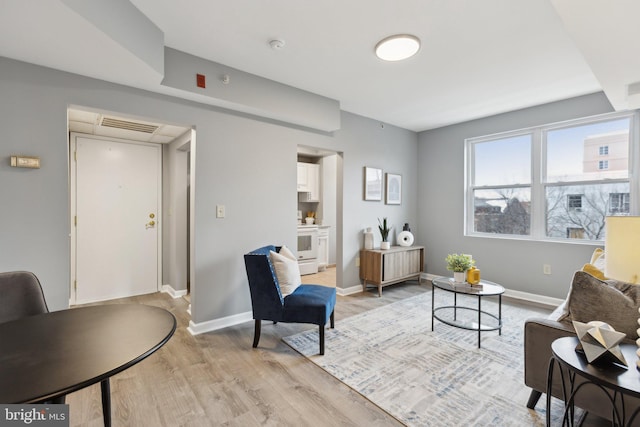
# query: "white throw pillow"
[[287, 270]]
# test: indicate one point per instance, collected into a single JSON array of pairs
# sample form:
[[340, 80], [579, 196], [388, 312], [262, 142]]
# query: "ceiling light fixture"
[[397, 47]]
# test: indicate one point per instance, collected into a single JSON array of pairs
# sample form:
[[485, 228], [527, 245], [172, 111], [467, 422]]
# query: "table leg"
[[549, 383], [500, 314], [479, 318], [105, 387], [433, 306], [380, 290], [455, 306]]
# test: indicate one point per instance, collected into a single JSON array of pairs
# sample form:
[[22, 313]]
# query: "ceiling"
[[478, 58]]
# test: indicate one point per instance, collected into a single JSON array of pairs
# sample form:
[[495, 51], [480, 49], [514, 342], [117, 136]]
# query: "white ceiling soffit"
[[607, 34], [478, 58], [50, 33]]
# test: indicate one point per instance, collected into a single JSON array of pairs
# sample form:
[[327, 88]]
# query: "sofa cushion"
[[287, 270], [610, 301], [595, 267]]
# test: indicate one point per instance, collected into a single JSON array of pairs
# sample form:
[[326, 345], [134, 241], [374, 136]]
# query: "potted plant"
[[384, 232], [459, 264]]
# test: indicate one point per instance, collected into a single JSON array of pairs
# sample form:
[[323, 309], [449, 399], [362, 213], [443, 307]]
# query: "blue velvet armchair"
[[307, 304]]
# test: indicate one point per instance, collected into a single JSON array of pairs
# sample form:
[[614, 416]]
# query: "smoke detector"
[[276, 44]]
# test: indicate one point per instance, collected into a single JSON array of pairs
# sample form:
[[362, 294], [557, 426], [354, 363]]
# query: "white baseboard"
[[343, 292], [215, 324], [168, 289]]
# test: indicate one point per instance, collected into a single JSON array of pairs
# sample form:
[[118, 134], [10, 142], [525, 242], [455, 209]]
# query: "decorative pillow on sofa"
[[609, 301], [595, 267], [287, 270]]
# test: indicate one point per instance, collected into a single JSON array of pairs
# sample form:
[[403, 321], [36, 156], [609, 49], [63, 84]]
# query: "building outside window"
[[618, 203], [550, 182]]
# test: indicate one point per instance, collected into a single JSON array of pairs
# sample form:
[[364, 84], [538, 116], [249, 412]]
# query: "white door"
[[117, 194]]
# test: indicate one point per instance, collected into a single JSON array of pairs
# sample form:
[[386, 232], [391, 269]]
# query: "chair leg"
[[332, 318], [321, 332], [533, 398], [256, 332]]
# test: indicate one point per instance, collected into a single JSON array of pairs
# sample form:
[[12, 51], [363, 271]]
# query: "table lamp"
[[622, 253]]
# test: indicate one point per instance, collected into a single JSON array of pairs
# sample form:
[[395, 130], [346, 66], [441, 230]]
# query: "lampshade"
[[622, 248]]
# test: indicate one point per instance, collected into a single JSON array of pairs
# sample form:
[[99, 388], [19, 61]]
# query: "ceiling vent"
[[127, 125]]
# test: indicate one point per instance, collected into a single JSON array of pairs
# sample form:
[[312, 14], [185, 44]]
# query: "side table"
[[615, 381]]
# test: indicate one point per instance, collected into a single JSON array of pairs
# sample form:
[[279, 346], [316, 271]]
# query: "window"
[[502, 190], [574, 202], [618, 203], [550, 182]]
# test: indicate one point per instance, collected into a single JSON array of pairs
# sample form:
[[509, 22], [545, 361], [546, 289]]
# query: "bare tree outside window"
[[563, 219]]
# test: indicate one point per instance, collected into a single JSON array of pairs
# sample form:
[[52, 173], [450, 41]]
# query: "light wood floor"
[[218, 379]]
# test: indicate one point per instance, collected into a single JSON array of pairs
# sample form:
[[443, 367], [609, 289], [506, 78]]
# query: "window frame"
[[539, 182]]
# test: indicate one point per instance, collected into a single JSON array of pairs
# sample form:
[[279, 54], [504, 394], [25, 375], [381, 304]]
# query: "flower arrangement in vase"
[[384, 232], [459, 264]]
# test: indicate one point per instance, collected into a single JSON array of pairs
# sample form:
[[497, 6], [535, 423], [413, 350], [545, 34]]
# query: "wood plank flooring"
[[218, 379]]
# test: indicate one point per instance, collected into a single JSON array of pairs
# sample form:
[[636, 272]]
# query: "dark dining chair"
[[313, 304], [21, 296]]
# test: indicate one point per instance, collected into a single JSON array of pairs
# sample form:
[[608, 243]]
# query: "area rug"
[[423, 378]]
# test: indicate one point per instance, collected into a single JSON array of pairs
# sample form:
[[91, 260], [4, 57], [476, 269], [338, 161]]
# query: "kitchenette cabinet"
[[308, 182], [384, 267]]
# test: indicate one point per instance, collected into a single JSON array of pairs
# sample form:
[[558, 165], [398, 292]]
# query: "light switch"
[[219, 211]]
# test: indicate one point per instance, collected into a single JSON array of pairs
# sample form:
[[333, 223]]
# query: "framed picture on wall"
[[393, 189], [372, 183]]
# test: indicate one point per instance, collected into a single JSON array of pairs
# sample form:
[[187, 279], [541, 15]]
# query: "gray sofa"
[[590, 298]]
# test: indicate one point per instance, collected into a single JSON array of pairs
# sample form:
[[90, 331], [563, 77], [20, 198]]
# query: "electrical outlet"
[[546, 268], [357, 261], [219, 211]]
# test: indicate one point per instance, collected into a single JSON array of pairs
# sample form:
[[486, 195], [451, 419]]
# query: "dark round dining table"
[[47, 356]]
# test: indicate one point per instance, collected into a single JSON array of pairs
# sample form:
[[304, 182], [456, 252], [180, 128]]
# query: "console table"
[[384, 267]]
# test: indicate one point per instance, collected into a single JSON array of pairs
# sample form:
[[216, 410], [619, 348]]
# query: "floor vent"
[[127, 125]]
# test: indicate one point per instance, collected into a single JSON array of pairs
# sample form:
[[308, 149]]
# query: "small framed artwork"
[[372, 183], [394, 189]]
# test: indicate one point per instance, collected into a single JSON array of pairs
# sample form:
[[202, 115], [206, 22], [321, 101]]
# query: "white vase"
[[458, 276], [385, 245], [368, 238]]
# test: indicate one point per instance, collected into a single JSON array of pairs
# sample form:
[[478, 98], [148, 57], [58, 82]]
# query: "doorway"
[[116, 136], [327, 212]]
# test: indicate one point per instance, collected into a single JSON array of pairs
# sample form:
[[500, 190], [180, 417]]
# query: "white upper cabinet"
[[308, 182]]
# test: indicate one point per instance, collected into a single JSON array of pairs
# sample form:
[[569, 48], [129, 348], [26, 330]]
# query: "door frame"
[[73, 207]]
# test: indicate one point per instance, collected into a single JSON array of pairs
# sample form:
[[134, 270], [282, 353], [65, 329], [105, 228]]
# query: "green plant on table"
[[384, 230], [459, 263]]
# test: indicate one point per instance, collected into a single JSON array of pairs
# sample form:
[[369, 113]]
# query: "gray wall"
[[516, 264], [244, 163]]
